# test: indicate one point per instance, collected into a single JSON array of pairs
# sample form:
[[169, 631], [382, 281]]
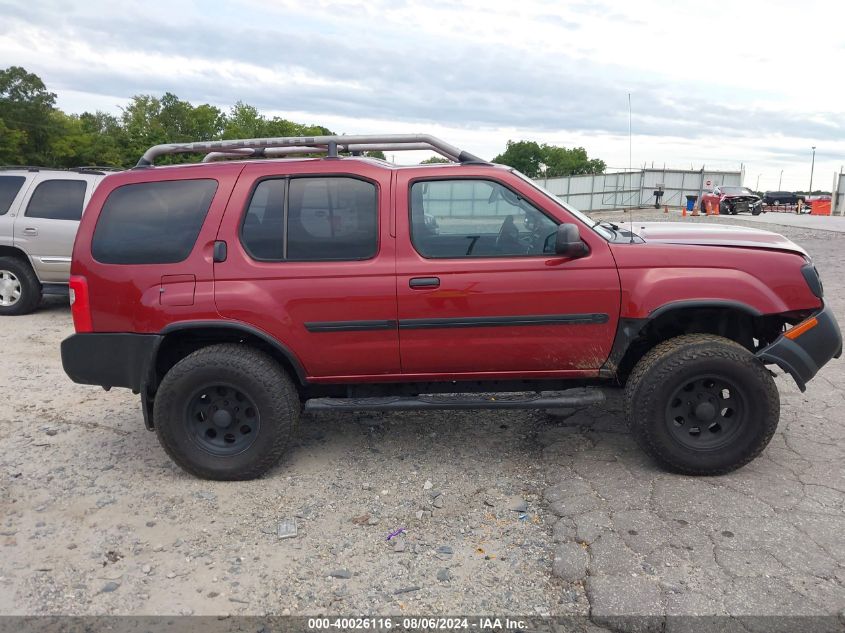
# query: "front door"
[[480, 290], [311, 262]]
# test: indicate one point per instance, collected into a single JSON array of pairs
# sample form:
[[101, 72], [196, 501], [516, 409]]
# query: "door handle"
[[220, 252], [30, 231], [424, 282]]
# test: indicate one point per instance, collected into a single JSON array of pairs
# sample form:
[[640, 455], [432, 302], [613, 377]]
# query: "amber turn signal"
[[802, 327]]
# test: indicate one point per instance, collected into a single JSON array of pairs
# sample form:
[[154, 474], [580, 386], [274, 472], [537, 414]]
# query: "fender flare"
[[233, 326], [237, 326], [628, 329]]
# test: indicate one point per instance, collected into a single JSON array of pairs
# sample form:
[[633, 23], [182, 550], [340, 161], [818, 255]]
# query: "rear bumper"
[[110, 360], [803, 356]]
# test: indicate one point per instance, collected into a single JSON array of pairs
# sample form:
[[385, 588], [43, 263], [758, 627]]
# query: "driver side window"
[[476, 218]]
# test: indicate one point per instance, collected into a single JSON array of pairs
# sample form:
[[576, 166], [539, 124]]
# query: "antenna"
[[630, 165]]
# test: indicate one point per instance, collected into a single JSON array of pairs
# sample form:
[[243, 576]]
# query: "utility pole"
[[757, 186], [780, 179], [812, 167]]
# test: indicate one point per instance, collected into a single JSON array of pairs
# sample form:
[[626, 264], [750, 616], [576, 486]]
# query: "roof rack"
[[276, 152], [81, 170], [312, 144]]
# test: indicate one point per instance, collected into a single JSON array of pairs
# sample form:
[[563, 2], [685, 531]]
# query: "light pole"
[[780, 179], [757, 186], [812, 166]]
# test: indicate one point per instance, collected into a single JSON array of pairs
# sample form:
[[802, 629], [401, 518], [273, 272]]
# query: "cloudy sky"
[[717, 83]]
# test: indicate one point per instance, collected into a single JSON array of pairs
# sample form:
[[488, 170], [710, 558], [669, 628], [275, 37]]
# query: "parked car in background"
[[232, 295], [731, 200], [40, 211], [782, 197]]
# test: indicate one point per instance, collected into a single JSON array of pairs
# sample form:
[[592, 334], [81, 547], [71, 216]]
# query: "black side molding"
[[457, 322], [349, 326], [542, 319]]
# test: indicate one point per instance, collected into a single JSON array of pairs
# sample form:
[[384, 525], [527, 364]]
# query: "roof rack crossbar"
[[276, 152], [326, 143]]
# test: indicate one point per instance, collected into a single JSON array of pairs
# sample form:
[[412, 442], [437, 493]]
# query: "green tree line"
[[33, 131], [547, 161]]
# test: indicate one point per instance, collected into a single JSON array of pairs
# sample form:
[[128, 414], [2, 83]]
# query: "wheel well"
[[178, 344], [752, 331], [11, 251]]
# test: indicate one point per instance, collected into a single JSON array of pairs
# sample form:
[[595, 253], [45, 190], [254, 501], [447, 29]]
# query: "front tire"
[[701, 404], [20, 290], [226, 412]]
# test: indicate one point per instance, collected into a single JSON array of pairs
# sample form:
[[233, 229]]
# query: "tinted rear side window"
[[57, 200], [9, 187], [332, 218], [152, 222]]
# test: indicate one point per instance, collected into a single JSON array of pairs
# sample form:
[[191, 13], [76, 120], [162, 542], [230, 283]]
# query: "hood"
[[714, 235]]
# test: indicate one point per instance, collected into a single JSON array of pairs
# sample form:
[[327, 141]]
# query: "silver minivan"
[[40, 210]]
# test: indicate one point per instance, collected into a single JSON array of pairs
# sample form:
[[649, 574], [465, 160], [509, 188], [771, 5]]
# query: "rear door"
[[13, 189], [311, 262], [480, 290], [48, 225]]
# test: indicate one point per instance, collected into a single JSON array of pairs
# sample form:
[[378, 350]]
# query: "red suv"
[[233, 294]]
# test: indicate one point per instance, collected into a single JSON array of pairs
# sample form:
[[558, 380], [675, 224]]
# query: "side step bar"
[[544, 400]]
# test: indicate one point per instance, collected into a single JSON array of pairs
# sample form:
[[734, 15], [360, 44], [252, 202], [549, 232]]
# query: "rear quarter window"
[[57, 200], [9, 187], [152, 222]]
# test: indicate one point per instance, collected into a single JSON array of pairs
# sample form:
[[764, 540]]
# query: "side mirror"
[[568, 242]]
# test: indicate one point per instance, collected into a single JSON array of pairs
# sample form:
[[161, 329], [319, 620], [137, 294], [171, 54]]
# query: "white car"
[[40, 210]]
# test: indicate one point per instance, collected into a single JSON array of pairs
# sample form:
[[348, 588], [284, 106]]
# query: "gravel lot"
[[522, 513]]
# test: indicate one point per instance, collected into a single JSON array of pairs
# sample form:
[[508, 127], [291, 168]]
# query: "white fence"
[[597, 192]]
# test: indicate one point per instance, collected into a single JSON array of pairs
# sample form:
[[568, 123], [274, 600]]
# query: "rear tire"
[[701, 404], [226, 412], [20, 290]]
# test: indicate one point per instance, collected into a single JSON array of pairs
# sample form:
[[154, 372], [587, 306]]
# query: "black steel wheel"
[[222, 419], [701, 404], [705, 413], [226, 412]]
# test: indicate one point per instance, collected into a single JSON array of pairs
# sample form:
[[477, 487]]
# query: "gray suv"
[[39, 214]]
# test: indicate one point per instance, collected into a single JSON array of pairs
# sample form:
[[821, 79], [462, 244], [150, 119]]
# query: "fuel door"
[[177, 290]]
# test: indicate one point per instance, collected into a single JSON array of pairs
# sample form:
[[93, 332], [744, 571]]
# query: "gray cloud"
[[452, 83]]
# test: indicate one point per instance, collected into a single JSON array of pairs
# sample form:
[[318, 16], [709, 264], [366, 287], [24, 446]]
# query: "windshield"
[[737, 190], [583, 217]]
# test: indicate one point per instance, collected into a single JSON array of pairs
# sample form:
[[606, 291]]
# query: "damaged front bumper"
[[804, 349]]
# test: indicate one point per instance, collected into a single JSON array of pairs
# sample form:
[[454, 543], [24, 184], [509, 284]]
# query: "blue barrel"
[[691, 202]]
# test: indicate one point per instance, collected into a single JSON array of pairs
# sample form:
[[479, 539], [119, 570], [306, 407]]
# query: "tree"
[[85, 139], [560, 161], [141, 126], [524, 156], [435, 160], [11, 145], [527, 156], [26, 106]]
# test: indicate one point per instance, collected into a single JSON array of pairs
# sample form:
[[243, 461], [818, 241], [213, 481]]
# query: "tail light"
[[80, 305]]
